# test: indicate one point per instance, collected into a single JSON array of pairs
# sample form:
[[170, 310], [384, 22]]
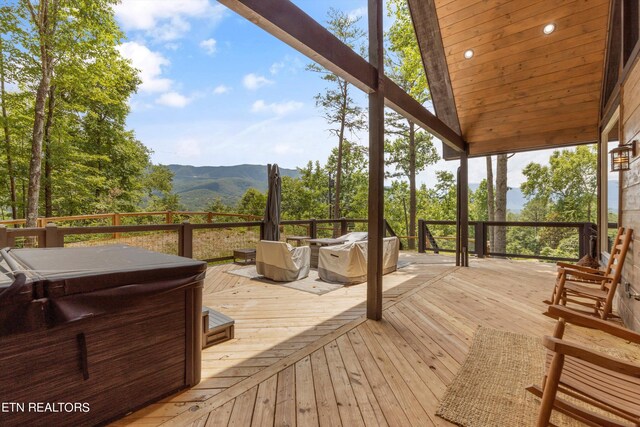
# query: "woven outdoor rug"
[[489, 389], [312, 283]]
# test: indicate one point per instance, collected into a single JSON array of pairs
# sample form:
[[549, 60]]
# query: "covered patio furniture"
[[604, 383], [347, 263], [282, 262], [593, 288], [316, 244]]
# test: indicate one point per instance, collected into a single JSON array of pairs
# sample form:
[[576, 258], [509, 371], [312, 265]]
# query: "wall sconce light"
[[621, 156]]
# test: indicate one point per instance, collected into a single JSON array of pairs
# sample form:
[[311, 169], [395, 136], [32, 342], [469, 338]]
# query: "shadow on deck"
[[300, 358]]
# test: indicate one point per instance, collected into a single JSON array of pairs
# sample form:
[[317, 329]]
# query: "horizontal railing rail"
[[185, 240], [480, 241], [168, 217], [180, 239]]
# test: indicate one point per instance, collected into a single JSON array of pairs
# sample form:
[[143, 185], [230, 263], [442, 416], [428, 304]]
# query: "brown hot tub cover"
[[59, 285]]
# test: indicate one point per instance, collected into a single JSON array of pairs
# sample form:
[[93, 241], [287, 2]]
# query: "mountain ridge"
[[199, 186]]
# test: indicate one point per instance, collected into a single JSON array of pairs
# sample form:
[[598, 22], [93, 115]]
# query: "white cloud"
[[358, 13], [279, 109], [254, 81], [165, 20], [173, 99], [276, 67], [219, 90], [150, 65], [209, 46], [289, 64]]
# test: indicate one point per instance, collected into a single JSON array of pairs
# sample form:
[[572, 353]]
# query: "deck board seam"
[[195, 411]]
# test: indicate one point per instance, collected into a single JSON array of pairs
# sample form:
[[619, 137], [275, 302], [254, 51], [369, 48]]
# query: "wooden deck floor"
[[302, 359]]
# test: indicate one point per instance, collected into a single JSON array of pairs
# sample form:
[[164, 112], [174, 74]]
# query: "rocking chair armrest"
[[584, 276], [567, 266], [578, 351], [579, 319]]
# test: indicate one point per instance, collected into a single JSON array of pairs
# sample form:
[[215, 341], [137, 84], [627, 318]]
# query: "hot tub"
[[88, 335]]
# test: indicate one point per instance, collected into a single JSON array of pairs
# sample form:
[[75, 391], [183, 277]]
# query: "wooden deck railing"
[[480, 241], [168, 217], [186, 242]]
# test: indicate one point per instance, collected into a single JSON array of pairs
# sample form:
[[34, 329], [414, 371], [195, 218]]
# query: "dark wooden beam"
[[287, 22], [376, 164], [427, 28]]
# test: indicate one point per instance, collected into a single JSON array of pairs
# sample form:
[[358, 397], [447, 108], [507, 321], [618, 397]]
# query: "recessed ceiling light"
[[468, 54], [549, 28]]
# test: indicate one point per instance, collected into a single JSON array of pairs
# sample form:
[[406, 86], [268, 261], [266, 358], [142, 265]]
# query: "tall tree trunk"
[[48, 207], [491, 216], [46, 24], [412, 185], [501, 202], [345, 96], [7, 138], [35, 165]]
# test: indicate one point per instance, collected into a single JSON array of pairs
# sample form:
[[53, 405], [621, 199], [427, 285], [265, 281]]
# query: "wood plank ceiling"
[[523, 89]]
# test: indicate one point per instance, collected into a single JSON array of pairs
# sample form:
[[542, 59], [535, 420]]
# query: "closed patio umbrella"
[[272, 211]]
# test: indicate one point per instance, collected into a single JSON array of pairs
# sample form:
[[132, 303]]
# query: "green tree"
[[566, 186], [252, 202], [478, 201], [355, 178], [79, 117], [409, 150], [340, 110], [56, 32], [306, 196]]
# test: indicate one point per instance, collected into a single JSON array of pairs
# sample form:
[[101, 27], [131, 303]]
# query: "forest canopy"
[[64, 101]]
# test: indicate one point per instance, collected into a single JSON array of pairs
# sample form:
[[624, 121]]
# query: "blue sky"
[[218, 90]]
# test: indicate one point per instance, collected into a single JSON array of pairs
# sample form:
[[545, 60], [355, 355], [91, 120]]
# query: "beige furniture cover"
[[282, 262], [347, 263]]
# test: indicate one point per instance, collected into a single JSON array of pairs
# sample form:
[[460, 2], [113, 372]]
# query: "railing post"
[[485, 240], [421, 243], [4, 242], [481, 238], [52, 237], [185, 240], [169, 217], [584, 232], [115, 221], [262, 230], [313, 229], [344, 229], [209, 217]]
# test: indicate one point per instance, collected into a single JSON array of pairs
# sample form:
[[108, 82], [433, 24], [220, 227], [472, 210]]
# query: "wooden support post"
[[169, 217], [422, 247], [185, 240], [458, 240], [464, 210], [115, 221], [344, 226], [313, 229], [4, 241], [51, 237], [480, 238], [209, 217], [376, 164]]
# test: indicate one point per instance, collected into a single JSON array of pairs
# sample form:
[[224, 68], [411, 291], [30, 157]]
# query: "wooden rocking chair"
[[603, 382], [591, 287]]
